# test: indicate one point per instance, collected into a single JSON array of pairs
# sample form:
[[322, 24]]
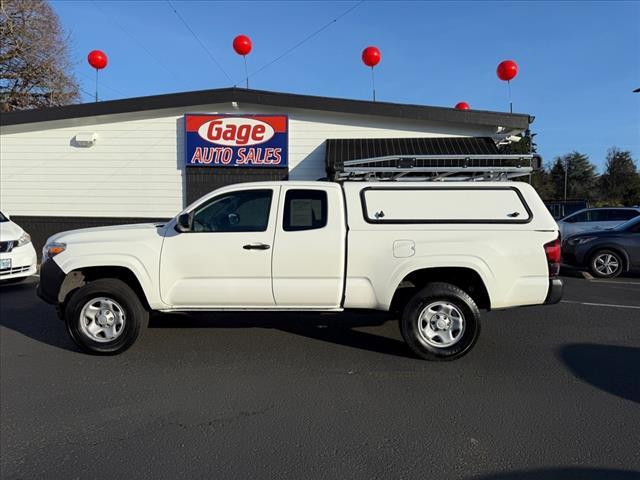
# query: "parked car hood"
[[9, 231]]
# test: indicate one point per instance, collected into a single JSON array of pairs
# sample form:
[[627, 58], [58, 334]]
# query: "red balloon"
[[371, 56], [97, 59], [462, 106], [242, 45], [507, 70]]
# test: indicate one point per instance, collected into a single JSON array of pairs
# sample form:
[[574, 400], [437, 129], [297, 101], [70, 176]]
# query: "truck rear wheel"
[[440, 322], [105, 316]]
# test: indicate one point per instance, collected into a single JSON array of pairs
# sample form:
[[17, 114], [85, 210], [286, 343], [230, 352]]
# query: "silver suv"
[[590, 219]]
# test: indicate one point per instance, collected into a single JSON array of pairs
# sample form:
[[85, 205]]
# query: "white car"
[[18, 258]]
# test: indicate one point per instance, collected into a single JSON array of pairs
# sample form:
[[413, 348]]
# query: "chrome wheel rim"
[[102, 319], [606, 264], [441, 324]]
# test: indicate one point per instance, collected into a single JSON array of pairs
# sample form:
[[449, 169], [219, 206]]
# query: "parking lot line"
[[591, 304], [615, 282], [586, 275]]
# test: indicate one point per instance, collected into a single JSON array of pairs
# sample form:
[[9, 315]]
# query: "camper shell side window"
[[409, 205]]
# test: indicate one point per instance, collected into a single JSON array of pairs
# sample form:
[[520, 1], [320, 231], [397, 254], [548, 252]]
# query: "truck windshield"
[[3, 218]]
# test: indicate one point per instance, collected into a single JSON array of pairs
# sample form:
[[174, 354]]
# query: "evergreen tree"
[[526, 145], [582, 180], [620, 182]]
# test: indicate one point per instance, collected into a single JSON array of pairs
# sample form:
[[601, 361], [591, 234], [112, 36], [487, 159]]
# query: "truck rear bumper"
[[554, 294]]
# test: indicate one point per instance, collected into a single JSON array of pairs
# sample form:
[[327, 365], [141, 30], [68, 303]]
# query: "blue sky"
[[579, 61]]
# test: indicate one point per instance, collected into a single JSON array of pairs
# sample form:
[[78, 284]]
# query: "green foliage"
[[620, 182], [524, 146], [541, 181], [582, 179]]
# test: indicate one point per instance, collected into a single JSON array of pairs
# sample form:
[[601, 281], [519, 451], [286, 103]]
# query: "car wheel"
[[440, 322], [105, 316], [606, 264]]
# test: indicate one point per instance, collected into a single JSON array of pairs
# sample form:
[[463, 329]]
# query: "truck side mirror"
[[184, 223]]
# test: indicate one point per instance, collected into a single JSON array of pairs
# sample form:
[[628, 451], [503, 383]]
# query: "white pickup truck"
[[437, 252]]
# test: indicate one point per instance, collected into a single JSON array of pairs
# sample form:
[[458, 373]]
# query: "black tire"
[[593, 264], [450, 295], [135, 316]]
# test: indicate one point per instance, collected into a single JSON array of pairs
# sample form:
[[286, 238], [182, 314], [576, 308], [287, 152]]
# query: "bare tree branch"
[[35, 69]]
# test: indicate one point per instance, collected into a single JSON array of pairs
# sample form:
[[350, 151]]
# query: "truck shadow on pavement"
[[24, 313], [611, 368], [337, 328], [563, 473]]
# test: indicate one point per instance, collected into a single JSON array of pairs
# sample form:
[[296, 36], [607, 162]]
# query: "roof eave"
[[260, 97]]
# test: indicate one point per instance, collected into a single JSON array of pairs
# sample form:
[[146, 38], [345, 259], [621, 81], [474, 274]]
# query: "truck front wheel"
[[105, 316], [440, 322]]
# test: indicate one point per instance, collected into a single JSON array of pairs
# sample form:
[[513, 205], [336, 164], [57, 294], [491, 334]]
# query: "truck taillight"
[[552, 251]]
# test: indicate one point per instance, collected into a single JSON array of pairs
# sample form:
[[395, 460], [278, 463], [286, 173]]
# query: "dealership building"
[[145, 159]]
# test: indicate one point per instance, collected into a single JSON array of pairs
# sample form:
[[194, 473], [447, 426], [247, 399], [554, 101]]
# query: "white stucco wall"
[[136, 167]]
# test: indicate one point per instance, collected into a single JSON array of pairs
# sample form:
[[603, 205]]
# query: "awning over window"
[[341, 150]]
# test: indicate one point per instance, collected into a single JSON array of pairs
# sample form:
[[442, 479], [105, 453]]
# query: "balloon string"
[[246, 72], [373, 84], [96, 84], [510, 102]]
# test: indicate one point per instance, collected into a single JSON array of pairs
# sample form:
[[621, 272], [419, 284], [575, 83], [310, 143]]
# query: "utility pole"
[[566, 177]]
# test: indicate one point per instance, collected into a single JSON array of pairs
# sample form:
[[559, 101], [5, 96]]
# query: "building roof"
[[276, 99]]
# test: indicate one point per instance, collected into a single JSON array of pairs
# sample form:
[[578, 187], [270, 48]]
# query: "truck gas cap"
[[404, 248]]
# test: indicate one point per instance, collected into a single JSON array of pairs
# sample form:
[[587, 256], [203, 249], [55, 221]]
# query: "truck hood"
[[123, 233]]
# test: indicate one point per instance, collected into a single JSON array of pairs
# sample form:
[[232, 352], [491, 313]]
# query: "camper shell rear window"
[[444, 205]]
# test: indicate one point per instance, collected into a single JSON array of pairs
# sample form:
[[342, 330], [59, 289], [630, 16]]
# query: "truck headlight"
[[24, 239], [50, 250]]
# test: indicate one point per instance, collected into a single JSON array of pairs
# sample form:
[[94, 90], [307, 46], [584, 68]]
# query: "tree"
[[34, 58], [525, 145], [542, 182], [582, 180], [620, 182]]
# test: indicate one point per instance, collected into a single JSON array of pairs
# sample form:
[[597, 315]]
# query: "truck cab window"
[[304, 210], [244, 211]]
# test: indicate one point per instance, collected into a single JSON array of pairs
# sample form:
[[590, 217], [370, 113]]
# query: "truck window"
[[304, 210], [444, 205], [244, 211]]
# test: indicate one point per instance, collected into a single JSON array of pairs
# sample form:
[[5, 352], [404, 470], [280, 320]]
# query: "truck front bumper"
[[51, 278], [554, 294]]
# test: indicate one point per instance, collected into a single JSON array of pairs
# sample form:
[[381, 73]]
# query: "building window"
[[304, 210], [245, 211]]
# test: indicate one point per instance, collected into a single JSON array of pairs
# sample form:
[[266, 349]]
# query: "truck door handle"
[[257, 246]]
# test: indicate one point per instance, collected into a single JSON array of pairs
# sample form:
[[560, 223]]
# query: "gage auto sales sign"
[[236, 140]]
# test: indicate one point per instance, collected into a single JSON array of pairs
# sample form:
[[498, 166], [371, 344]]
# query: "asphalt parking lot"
[[548, 393]]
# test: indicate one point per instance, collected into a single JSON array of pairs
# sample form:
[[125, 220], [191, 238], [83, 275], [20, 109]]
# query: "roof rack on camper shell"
[[441, 167]]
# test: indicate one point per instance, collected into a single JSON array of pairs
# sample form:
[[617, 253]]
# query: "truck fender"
[[129, 262], [476, 264]]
